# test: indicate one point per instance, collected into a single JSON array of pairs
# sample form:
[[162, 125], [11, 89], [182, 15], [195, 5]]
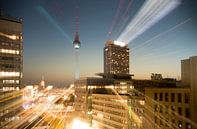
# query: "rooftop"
[[12, 19], [116, 43]]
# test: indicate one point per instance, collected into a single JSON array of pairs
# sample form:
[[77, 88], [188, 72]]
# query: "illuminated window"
[[180, 124], [8, 51], [9, 74], [188, 126], [9, 88], [142, 102], [123, 83], [131, 87], [17, 81], [8, 81]]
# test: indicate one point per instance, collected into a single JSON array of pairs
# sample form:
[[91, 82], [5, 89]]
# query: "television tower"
[[77, 44]]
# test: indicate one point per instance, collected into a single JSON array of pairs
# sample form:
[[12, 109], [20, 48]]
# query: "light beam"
[[50, 18], [150, 13]]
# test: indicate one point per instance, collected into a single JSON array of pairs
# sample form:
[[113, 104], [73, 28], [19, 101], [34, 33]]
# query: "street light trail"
[[61, 104], [150, 13]]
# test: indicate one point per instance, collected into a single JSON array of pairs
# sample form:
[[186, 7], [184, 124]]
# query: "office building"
[[116, 58], [11, 67], [189, 78], [103, 97], [11, 53]]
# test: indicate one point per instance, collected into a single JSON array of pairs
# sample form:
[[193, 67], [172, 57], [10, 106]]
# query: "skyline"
[[42, 19]]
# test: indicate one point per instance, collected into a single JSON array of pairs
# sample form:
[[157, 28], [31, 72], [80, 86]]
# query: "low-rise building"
[[104, 97]]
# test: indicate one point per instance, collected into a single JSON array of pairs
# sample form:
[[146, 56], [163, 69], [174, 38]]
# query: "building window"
[[8, 51], [161, 109], [156, 108], [17, 81], [167, 123], [180, 124], [166, 96], [9, 74], [173, 122], [155, 119], [172, 97], [186, 98], [179, 97], [187, 112], [160, 96], [188, 126], [180, 110], [155, 96], [166, 110], [161, 122], [173, 110]]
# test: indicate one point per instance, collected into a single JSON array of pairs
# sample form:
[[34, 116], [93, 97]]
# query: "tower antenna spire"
[[77, 44], [77, 19]]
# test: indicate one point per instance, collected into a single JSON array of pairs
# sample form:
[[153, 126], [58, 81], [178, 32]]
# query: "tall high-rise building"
[[11, 68], [116, 58], [189, 78], [11, 53]]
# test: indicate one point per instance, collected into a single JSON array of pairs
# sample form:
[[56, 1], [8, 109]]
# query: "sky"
[[49, 27]]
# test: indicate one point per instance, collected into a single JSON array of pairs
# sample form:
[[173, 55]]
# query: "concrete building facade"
[[110, 111], [189, 78], [185, 72], [105, 98], [167, 108]]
